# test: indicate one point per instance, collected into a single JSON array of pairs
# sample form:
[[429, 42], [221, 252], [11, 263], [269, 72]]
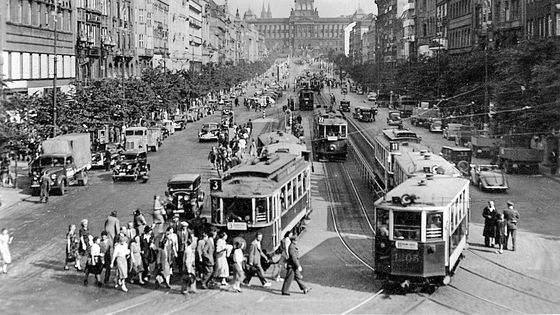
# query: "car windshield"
[[181, 185], [130, 156], [209, 126]]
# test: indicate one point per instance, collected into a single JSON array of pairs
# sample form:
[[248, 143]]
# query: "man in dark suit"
[[294, 270], [512, 217], [207, 257], [255, 267], [182, 239]]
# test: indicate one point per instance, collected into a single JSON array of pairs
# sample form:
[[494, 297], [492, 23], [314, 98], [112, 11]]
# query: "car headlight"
[[53, 176], [129, 167]]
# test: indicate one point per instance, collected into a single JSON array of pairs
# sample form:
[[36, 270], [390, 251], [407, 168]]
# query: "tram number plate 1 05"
[[237, 226], [406, 245]]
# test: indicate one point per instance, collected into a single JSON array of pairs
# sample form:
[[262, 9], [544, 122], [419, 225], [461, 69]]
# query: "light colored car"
[[436, 126], [371, 96], [489, 178]]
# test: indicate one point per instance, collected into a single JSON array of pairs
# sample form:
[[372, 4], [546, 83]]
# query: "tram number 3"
[[406, 258], [215, 184]]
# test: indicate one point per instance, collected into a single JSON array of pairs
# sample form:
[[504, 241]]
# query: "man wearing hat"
[[182, 238], [512, 217]]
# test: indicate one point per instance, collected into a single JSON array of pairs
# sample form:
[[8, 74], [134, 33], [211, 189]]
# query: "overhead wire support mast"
[[55, 63]]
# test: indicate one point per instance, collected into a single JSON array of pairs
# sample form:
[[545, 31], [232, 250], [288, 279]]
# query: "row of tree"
[[518, 86], [118, 101]]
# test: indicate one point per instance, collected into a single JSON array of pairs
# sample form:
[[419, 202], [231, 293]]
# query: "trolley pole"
[[55, 61]]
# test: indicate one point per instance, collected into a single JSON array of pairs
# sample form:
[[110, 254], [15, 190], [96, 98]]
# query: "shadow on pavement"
[[329, 264]]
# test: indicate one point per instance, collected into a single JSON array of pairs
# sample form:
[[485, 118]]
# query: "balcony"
[[408, 6], [195, 23], [195, 6]]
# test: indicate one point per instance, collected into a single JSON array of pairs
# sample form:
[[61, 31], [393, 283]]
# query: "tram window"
[[238, 209], [289, 190], [321, 130], [382, 223], [305, 181], [283, 198], [434, 225], [215, 204], [300, 185], [260, 204], [333, 130], [343, 131], [406, 225], [295, 192]]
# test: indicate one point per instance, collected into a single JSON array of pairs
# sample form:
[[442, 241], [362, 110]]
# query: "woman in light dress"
[[222, 252], [5, 256], [238, 274], [136, 259], [120, 254]]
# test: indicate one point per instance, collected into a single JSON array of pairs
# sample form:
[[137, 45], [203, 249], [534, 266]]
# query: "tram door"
[[273, 204]]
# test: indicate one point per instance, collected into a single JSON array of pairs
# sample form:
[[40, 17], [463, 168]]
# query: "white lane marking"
[[363, 302]]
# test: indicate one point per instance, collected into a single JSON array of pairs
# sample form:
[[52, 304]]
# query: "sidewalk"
[[545, 170], [10, 196]]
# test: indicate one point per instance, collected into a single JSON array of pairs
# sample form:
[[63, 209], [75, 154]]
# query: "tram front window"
[[238, 209], [382, 223], [406, 225], [333, 130], [434, 225]]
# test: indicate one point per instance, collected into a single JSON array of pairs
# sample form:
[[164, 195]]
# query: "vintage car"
[[179, 122], [364, 114], [192, 114], [371, 96], [394, 118], [436, 125], [187, 199], [133, 165], [104, 155], [489, 178], [344, 106], [209, 132], [460, 156]]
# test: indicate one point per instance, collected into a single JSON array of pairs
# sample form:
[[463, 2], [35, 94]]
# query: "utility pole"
[[55, 61]]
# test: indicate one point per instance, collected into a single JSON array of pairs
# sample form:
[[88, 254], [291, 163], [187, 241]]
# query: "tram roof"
[[282, 142], [436, 192], [413, 162], [330, 117], [274, 166], [398, 134], [245, 187]]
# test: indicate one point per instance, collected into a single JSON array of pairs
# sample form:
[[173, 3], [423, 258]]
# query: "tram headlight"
[[332, 147], [247, 218], [431, 249]]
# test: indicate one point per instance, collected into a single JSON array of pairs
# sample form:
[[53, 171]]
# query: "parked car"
[[344, 106], [133, 165], [371, 96], [489, 178], [209, 132]]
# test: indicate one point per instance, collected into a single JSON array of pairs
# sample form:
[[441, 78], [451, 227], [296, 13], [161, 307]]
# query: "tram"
[[268, 194], [316, 84], [421, 231], [306, 99], [330, 135]]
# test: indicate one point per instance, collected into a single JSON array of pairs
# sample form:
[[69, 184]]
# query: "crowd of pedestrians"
[[500, 226], [172, 252], [231, 152]]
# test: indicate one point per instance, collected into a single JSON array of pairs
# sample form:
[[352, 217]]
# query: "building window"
[[141, 16], [141, 40]]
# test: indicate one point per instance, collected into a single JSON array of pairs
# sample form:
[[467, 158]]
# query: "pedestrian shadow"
[[482, 248], [329, 264], [105, 176]]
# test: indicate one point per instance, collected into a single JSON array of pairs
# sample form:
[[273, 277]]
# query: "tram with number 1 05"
[[422, 227], [268, 194], [330, 135]]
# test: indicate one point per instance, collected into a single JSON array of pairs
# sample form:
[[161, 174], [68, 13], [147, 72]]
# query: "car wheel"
[[135, 177]]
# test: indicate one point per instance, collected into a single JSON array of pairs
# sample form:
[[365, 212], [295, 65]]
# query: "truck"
[[406, 105], [155, 138], [65, 159], [484, 145], [520, 159], [423, 116], [136, 138]]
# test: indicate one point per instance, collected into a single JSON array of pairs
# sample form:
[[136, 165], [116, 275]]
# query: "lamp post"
[[55, 62]]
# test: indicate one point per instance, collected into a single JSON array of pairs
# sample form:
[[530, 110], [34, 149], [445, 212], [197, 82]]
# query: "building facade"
[[28, 45], [303, 32], [195, 34]]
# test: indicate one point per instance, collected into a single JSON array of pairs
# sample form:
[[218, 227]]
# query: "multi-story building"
[[303, 32], [28, 45], [370, 42], [89, 17], [160, 22], [178, 39], [460, 26], [143, 34], [542, 19], [196, 8], [356, 40]]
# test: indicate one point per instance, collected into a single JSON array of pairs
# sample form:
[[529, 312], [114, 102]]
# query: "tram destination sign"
[[237, 226], [406, 245]]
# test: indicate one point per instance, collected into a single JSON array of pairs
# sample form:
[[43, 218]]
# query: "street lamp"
[[55, 61]]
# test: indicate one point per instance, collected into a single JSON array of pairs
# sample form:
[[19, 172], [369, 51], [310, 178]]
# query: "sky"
[[282, 8]]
